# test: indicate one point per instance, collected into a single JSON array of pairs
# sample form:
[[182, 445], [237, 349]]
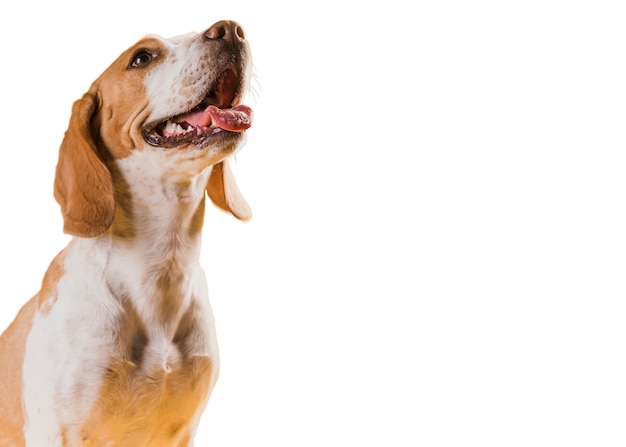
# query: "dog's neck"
[[158, 216], [155, 243]]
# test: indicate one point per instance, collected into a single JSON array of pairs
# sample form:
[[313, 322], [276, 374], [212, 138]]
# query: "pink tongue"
[[236, 119]]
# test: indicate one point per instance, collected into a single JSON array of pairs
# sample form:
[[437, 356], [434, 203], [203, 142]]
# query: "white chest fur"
[[130, 322]]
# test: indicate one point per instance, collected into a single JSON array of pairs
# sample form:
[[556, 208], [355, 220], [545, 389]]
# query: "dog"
[[118, 348]]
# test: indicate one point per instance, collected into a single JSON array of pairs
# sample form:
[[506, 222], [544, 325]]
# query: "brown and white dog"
[[118, 348]]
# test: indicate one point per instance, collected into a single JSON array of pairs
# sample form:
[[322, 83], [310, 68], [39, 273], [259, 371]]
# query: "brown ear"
[[83, 185], [225, 194]]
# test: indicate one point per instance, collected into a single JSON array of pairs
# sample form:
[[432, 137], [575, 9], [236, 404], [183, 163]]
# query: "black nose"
[[227, 30]]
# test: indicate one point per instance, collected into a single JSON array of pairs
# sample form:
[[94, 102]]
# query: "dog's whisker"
[[255, 85]]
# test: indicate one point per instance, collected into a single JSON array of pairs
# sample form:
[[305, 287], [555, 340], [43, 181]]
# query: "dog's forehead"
[[159, 44]]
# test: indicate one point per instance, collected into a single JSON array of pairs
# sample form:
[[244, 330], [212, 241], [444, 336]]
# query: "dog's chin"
[[221, 144]]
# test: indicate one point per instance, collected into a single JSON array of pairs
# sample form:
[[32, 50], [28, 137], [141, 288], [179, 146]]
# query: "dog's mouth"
[[218, 111]]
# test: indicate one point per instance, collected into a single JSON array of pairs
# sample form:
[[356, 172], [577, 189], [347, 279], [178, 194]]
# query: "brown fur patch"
[[48, 294], [131, 334], [148, 408], [12, 350], [124, 103], [197, 221], [123, 225]]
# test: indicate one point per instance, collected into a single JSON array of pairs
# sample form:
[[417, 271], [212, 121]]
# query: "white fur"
[[70, 335]]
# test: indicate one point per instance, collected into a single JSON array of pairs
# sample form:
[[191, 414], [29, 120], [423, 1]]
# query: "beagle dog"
[[118, 347]]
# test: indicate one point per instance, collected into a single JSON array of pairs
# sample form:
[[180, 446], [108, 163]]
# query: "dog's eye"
[[141, 59]]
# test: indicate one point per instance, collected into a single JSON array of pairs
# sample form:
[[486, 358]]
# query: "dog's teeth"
[[170, 127]]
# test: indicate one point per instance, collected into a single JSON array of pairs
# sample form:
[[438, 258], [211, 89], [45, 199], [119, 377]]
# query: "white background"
[[438, 250]]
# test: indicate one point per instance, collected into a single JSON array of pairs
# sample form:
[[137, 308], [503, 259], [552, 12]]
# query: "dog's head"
[[179, 98]]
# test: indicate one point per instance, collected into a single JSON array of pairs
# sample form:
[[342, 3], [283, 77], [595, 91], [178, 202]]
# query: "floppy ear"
[[83, 185], [225, 194]]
